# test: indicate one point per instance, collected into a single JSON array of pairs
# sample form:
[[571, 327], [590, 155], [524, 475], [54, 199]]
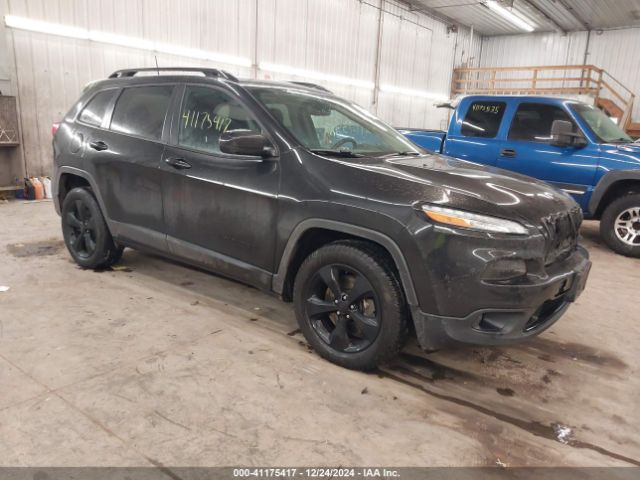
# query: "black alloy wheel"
[[350, 305], [85, 231], [82, 229], [341, 305]]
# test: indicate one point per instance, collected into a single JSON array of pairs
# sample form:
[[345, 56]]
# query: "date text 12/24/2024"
[[315, 472]]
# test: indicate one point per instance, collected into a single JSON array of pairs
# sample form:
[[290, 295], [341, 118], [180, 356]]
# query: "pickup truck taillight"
[[54, 128]]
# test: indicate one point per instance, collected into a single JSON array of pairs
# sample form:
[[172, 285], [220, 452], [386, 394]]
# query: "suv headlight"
[[473, 221]]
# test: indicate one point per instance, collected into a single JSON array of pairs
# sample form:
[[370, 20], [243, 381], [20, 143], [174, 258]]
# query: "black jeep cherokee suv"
[[293, 190]]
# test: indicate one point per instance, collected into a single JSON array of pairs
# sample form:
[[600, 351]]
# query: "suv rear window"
[[141, 111], [483, 119], [94, 112]]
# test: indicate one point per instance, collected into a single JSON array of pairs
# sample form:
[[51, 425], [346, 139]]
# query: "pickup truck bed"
[[432, 140]]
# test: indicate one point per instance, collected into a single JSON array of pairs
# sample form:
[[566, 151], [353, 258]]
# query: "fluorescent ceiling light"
[[299, 72], [22, 23], [120, 40], [201, 54], [46, 27], [413, 93], [509, 15], [28, 24]]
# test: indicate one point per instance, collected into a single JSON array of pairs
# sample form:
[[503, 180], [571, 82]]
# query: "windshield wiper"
[[406, 153], [621, 140], [337, 153]]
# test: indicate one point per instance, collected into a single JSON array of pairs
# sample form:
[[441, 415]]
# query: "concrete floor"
[[156, 363]]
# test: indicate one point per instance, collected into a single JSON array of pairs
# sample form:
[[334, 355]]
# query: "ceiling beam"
[[417, 6], [573, 13], [537, 8]]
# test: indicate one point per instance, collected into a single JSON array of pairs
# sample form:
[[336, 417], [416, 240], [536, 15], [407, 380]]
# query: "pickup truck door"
[[527, 150], [473, 134]]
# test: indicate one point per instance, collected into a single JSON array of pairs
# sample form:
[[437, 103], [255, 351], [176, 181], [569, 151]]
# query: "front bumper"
[[536, 305]]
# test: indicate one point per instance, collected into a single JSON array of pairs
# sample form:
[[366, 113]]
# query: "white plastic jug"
[[46, 181]]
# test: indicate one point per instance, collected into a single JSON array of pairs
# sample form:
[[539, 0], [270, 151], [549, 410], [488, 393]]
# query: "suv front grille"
[[561, 232]]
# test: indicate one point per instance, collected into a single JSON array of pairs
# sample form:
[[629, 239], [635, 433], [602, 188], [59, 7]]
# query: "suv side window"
[[532, 122], [95, 110], [141, 111], [483, 119], [206, 114]]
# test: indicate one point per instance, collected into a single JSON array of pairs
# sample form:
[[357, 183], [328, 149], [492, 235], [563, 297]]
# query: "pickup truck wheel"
[[85, 232], [620, 225], [350, 306]]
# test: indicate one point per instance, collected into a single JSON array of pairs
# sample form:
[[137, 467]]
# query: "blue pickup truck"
[[567, 143]]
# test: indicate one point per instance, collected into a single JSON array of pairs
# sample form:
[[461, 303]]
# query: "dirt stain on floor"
[[538, 429], [547, 349], [428, 369], [36, 249], [506, 392]]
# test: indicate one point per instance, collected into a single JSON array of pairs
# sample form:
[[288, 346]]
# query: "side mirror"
[[246, 142], [562, 135]]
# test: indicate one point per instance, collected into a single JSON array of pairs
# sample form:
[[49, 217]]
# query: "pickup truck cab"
[[567, 143]]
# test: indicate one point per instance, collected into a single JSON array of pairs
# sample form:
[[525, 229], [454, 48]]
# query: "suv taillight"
[[54, 129]]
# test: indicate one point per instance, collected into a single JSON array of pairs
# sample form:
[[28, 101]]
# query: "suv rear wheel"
[[350, 306], [85, 232], [620, 225]]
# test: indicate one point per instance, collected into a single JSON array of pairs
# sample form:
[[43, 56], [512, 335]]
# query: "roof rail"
[[315, 86], [207, 72]]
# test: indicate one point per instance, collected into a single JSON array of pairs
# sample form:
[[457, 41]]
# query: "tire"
[[85, 232], [350, 306], [620, 225]]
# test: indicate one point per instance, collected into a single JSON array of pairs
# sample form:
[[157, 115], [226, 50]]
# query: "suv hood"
[[446, 181]]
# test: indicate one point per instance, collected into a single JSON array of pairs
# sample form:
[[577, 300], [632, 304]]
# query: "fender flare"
[[78, 173], [366, 233], [606, 182]]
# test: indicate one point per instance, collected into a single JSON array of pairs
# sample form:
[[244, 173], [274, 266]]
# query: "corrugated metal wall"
[[613, 50], [533, 49], [336, 37], [617, 52]]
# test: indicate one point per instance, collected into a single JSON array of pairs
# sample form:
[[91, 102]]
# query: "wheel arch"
[[311, 234], [613, 185], [68, 178]]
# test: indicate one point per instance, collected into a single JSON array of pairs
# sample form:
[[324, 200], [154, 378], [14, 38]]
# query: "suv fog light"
[[505, 269]]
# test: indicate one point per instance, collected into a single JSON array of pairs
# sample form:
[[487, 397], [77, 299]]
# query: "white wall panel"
[[533, 49], [616, 51], [336, 37]]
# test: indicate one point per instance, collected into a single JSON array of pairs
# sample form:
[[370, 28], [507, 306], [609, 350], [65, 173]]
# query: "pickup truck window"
[[532, 122], [604, 128], [483, 119]]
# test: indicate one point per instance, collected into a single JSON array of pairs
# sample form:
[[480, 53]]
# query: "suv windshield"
[[331, 126], [604, 128]]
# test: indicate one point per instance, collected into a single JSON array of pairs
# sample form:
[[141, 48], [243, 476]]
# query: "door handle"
[[99, 145], [178, 163], [508, 152]]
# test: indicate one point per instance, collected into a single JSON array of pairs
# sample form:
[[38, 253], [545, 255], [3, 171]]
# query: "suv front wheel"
[[620, 225], [85, 232], [349, 305]]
